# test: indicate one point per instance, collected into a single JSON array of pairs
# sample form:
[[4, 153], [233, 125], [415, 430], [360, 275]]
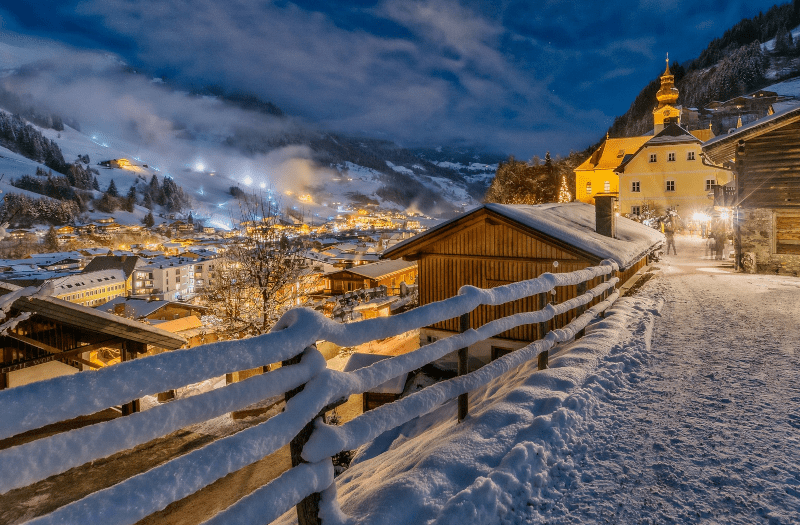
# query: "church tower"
[[667, 111]]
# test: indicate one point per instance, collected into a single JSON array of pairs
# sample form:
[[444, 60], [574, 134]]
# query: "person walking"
[[669, 233]]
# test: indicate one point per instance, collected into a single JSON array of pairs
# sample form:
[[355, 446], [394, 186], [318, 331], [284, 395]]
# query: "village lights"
[[724, 215], [700, 217]]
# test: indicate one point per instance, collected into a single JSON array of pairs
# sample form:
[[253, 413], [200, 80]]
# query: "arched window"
[[588, 188]]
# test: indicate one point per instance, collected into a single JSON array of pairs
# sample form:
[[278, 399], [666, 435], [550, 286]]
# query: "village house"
[[662, 170], [125, 263], [384, 273], [498, 244], [90, 288], [764, 194], [59, 337]]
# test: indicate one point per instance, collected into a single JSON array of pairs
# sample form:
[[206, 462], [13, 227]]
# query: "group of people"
[[715, 245]]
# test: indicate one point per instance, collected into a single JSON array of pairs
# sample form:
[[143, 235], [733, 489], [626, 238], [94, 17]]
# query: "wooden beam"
[[108, 343]]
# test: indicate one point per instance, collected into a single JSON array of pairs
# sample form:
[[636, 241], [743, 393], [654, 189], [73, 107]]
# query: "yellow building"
[[662, 170], [597, 176], [90, 289], [667, 173]]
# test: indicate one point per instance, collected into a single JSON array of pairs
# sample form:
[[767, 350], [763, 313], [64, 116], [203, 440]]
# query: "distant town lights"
[[199, 166]]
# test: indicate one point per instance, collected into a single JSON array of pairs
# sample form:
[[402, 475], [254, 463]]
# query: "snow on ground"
[[680, 407]]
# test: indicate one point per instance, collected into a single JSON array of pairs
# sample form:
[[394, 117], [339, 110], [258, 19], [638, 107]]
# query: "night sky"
[[514, 77]]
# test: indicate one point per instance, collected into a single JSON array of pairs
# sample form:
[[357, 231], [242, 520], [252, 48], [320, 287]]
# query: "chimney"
[[605, 218]]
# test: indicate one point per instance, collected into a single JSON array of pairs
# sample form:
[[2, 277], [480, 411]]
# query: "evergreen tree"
[[783, 41], [95, 184], [190, 219], [112, 189], [130, 199], [148, 201], [148, 220], [51, 240]]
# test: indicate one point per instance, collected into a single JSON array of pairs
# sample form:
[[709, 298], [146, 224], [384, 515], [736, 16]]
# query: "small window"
[[636, 186], [670, 157], [636, 210], [653, 157], [690, 155], [607, 186], [670, 185], [588, 188], [710, 183]]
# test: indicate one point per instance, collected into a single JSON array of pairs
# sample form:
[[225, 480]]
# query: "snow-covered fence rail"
[[314, 388]]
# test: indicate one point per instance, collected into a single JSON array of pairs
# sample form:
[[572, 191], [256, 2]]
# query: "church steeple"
[[668, 94]]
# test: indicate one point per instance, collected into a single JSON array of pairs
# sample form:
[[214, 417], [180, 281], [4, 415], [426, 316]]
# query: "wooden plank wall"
[[487, 256], [770, 169], [787, 232]]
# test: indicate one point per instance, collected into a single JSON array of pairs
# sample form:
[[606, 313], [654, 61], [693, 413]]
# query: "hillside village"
[[314, 345]]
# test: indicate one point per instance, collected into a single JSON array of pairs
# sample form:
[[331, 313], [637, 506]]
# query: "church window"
[[670, 185], [636, 187], [635, 210], [690, 155], [607, 186], [588, 188], [671, 157], [653, 157]]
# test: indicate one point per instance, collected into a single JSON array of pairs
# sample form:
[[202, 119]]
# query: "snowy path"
[[706, 431]]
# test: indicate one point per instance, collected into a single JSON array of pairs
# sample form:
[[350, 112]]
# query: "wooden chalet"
[[765, 192], [382, 273], [60, 331], [497, 244]]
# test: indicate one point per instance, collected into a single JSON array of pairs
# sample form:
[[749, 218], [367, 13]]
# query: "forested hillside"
[[731, 65]]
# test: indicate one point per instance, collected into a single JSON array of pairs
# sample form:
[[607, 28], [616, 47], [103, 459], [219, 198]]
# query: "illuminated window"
[[709, 184], [690, 155], [653, 157], [636, 187], [635, 210], [670, 157], [670, 185], [588, 188], [606, 186]]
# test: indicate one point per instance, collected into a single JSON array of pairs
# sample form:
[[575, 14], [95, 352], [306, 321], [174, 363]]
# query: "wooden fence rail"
[[310, 388]]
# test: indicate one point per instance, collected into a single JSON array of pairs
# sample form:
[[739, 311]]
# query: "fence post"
[[606, 293], [463, 368], [581, 309], [308, 508], [543, 357]]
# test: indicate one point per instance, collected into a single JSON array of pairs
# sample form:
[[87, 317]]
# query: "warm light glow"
[[724, 215], [305, 197], [700, 217]]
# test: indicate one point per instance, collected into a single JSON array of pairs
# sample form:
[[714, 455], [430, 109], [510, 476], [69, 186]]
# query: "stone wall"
[[757, 238]]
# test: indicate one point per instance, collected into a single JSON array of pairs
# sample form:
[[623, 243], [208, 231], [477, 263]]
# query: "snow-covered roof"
[[574, 224], [380, 268], [359, 360], [87, 280], [134, 308]]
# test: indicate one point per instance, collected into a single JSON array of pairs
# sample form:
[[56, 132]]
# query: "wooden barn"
[[58, 336], [383, 273], [764, 195], [498, 244]]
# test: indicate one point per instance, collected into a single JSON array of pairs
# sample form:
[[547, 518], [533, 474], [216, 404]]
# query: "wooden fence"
[[310, 389]]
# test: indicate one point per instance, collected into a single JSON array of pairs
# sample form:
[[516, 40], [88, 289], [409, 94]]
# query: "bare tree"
[[253, 283]]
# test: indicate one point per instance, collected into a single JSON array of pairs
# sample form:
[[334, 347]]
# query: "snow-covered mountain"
[[209, 144]]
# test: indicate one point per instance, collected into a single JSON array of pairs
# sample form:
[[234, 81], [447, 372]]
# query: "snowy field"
[[680, 407]]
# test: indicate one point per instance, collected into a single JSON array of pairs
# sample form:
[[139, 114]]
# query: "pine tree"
[[112, 189], [130, 199], [95, 184], [148, 220], [148, 201], [51, 239]]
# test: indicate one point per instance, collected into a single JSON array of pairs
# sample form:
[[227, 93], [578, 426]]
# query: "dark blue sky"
[[519, 77]]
